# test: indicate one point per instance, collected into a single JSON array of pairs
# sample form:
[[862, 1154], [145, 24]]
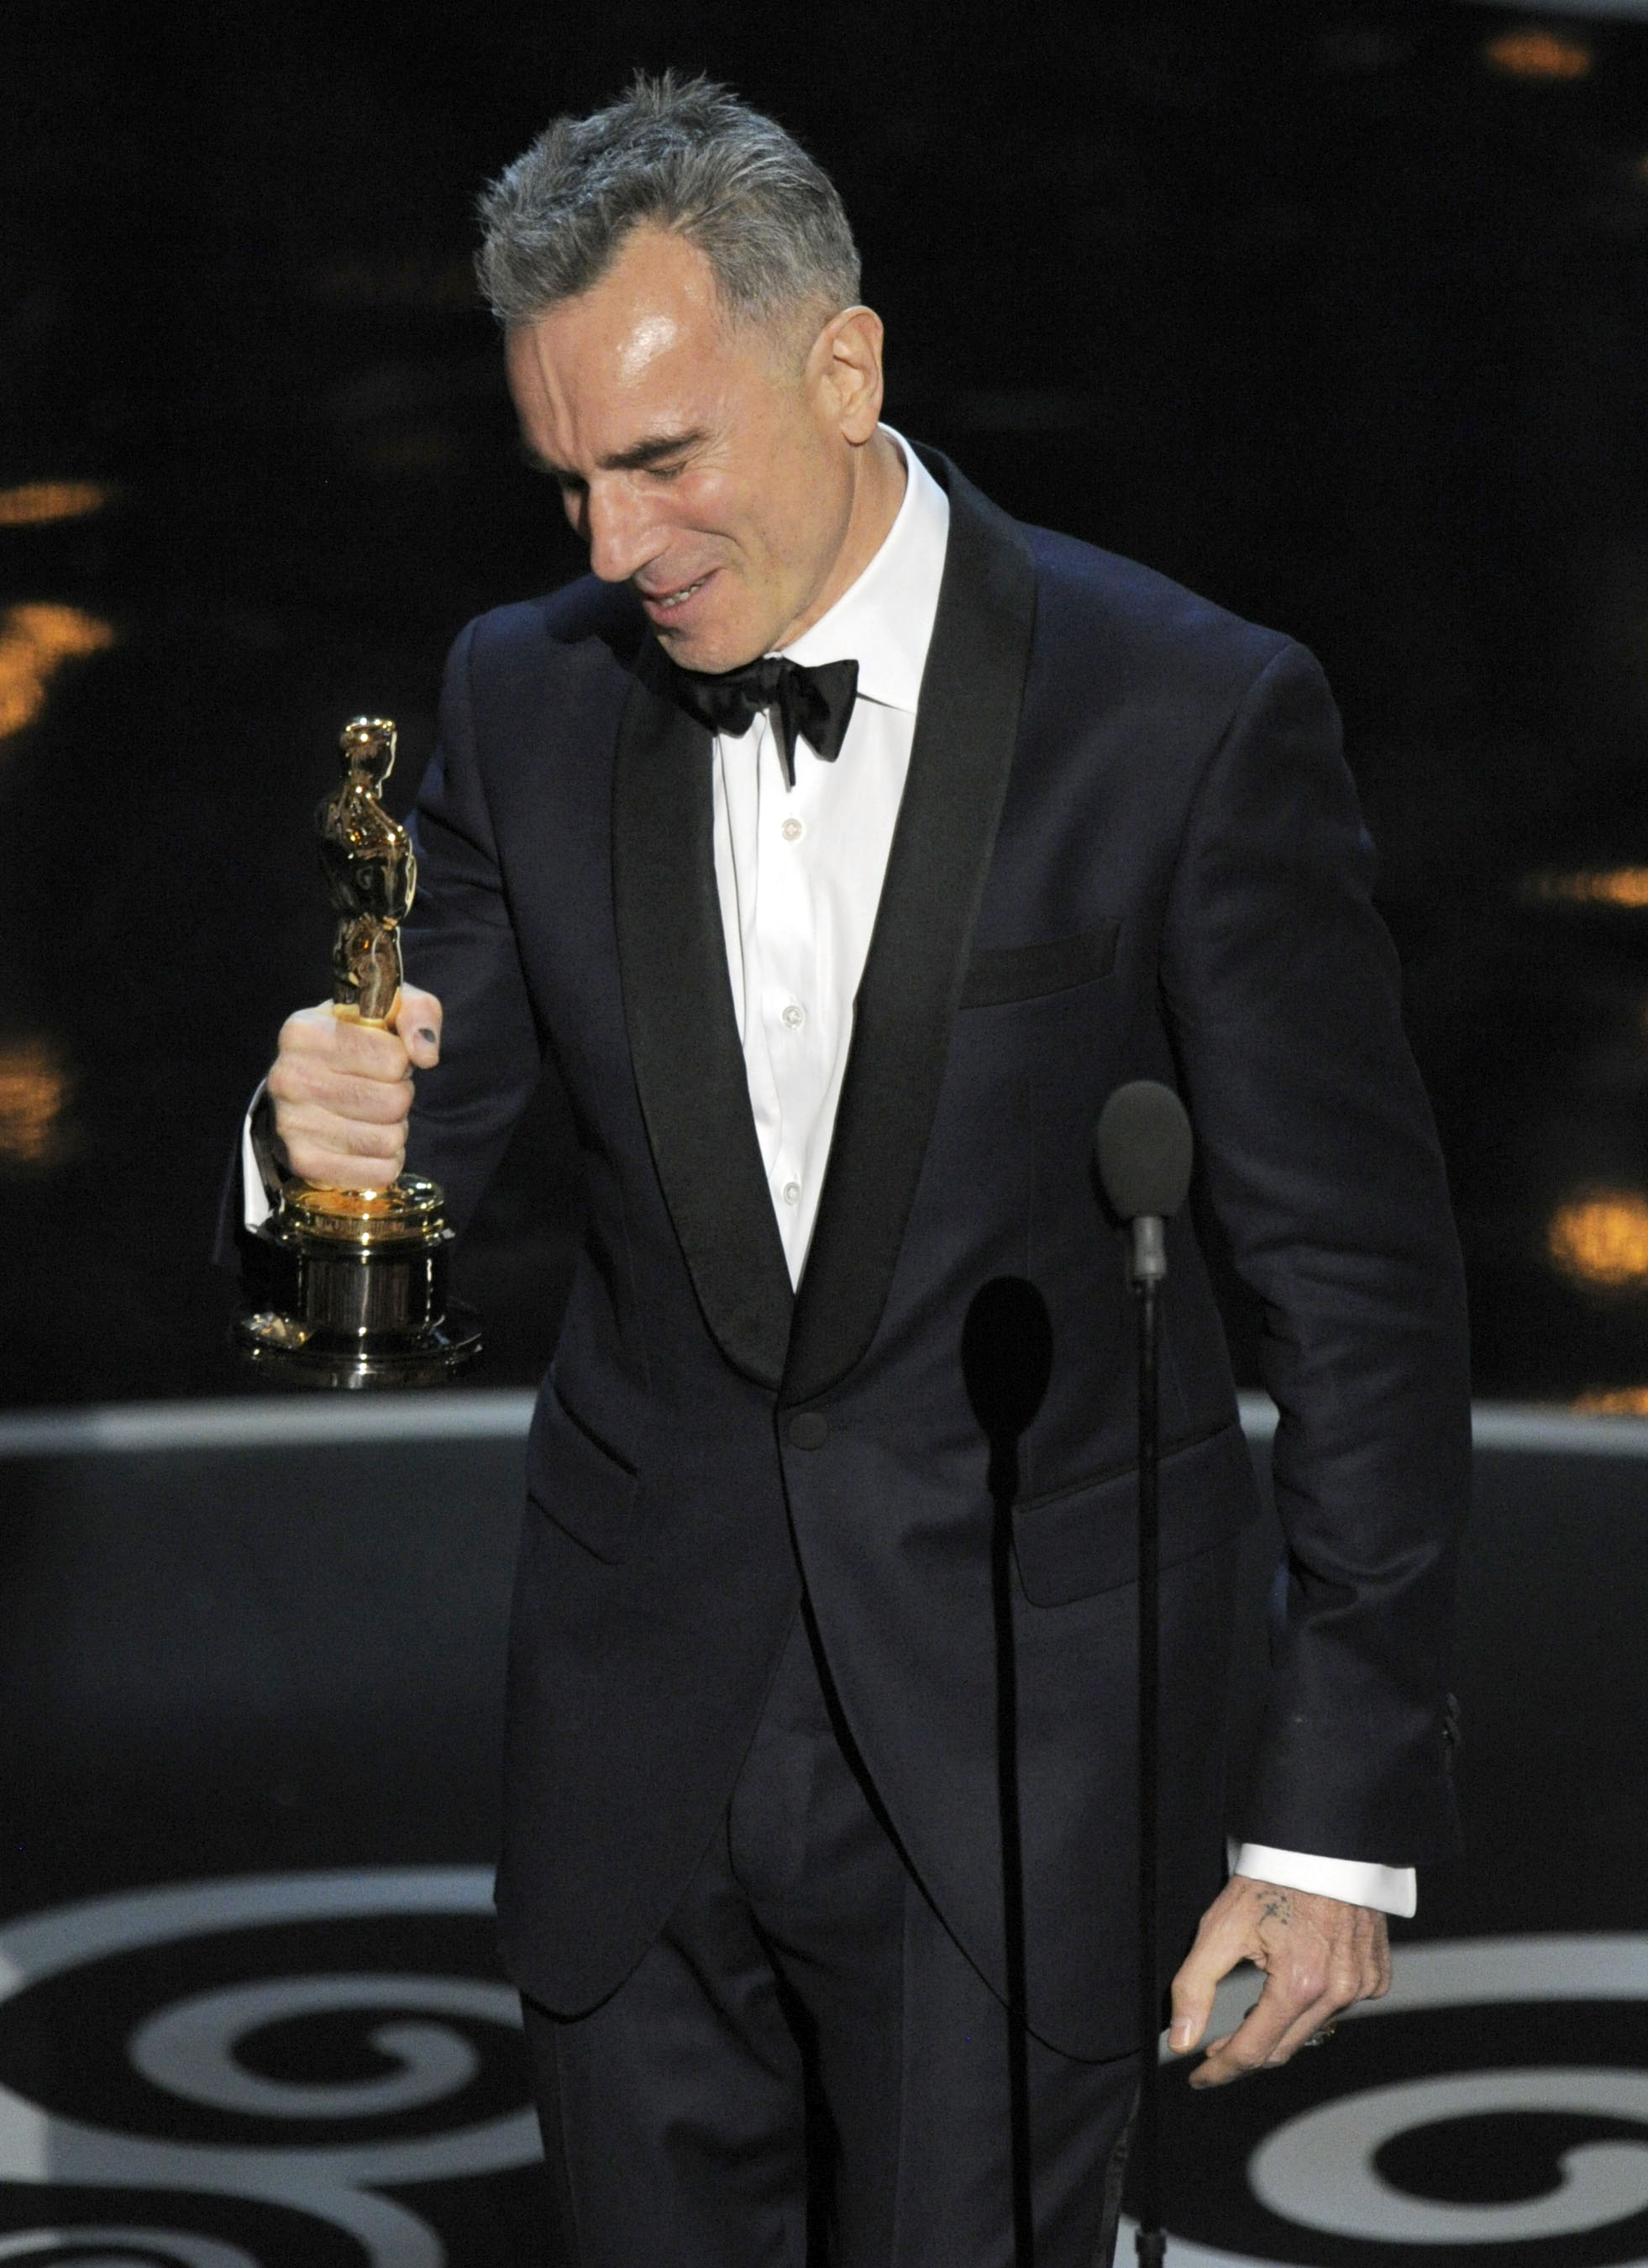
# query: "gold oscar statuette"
[[347, 1287]]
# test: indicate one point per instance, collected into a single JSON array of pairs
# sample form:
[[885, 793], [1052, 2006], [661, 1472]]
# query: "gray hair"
[[683, 155]]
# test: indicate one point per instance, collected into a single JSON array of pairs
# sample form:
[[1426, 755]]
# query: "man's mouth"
[[667, 602]]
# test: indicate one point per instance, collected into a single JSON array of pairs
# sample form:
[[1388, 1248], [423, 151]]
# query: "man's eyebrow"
[[652, 452], [635, 460]]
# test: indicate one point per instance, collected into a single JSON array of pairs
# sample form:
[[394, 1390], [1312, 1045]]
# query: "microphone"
[[1144, 1151]]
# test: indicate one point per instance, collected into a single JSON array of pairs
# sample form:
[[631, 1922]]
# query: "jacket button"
[[808, 1430]]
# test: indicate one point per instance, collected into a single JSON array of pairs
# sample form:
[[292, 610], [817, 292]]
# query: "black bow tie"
[[812, 704]]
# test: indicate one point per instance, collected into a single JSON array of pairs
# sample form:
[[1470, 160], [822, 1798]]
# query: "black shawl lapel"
[[683, 1036], [966, 729]]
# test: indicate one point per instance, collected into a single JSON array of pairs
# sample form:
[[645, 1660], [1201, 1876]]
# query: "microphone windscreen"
[[1144, 1149]]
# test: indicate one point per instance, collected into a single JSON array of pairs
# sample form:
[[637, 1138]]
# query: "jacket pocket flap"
[[1086, 1539], [1025, 972], [582, 1485]]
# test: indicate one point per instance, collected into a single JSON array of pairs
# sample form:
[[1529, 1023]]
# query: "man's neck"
[[878, 493]]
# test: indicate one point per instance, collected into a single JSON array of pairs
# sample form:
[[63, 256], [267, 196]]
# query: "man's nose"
[[622, 533]]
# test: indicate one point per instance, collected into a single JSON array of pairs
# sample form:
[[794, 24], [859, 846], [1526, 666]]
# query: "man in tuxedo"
[[839, 845]]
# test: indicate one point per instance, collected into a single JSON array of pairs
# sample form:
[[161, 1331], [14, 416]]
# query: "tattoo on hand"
[[1278, 1907]]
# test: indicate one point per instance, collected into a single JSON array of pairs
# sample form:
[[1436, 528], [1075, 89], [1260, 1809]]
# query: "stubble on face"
[[706, 462]]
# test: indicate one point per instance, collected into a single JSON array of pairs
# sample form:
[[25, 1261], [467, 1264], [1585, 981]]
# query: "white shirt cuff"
[[1387, 1889], [259, 1176]]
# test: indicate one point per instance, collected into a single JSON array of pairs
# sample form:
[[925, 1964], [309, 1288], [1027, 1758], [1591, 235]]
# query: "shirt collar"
[[885, 620]]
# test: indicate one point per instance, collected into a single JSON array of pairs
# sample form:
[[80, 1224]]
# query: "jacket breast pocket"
[[1086, 1540], [1002, 973], [583, 1486]]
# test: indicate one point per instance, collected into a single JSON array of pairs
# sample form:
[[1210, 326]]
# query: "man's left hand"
[[1318, 1955]]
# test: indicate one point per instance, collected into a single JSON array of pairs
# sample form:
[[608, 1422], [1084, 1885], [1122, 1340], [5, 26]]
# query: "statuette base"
[[347, 1288]]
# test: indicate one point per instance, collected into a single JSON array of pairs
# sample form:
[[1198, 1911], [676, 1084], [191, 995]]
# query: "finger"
[[1315, 2002], [1192, 2006], [418, 1022], [323, 1170], [347, 1137], [354, 1134], [345, 1157], [1224, 1938], [1305, 2026], [371, 1050], [1358, 1969], [1194, 1989], [1370, 1951], [1251, 2046], [343, 1164], [1381, 1984], [315, 1035], [306, 1088]]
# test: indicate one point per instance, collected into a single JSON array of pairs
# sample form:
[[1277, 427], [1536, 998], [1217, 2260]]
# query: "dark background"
[[1336, 313]]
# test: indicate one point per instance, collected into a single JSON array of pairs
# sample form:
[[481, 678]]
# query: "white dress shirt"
[[799, 873], [799, 869]]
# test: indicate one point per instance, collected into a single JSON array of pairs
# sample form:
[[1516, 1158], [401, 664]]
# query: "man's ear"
[[847, 358]]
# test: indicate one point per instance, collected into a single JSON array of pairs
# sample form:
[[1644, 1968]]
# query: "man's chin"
[[705, 632], [709, 654]]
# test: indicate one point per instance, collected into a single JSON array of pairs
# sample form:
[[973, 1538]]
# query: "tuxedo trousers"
[[805, 2069]]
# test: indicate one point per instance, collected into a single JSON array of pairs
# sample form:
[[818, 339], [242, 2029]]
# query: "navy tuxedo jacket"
[[1128, 849]]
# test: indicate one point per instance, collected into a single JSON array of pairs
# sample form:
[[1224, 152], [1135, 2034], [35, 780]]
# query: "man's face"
[[708, 464]]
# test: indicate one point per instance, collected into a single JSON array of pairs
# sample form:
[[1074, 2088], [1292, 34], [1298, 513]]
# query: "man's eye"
[[666, 472]]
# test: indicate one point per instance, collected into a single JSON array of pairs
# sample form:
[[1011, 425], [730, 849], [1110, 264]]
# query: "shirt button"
[[808, 1429], [795, 1015], [792, 1192], [790, 830]]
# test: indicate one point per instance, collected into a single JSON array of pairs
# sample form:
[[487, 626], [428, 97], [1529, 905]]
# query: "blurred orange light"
[[1613, 1402], [38, 504], [35, 1085], [35, 641], [1601, 1239], [1620, 886], [1537, 52]]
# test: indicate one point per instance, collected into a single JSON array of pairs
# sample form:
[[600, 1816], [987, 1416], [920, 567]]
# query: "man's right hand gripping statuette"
[[347, 1287]]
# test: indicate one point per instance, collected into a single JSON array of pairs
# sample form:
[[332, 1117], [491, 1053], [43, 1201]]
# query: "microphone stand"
[[1149, 1268], [1144, 1149]]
